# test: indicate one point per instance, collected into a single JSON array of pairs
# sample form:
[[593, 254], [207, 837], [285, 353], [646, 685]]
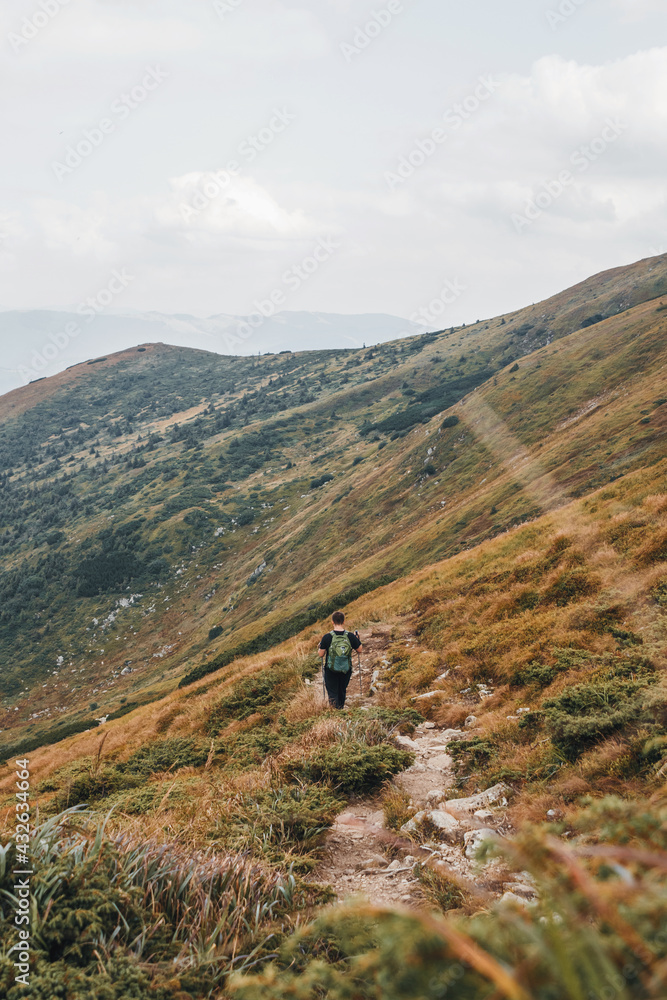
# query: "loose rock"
[[474, 838], [497, 793], [440, 819]]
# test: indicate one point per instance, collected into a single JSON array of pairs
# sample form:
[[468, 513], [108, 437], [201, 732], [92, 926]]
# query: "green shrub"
[[659, 593], [612, 699], [259, 691], [570, 586], [474, 753], [535, 674], [283, 825], [352, 768]]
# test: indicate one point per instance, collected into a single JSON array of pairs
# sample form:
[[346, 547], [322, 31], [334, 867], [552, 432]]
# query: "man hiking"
[[337, 646]]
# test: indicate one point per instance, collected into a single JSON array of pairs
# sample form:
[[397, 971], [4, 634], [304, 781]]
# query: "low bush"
[[571, 585], [352, 768], [115, 918], [610, 700], [282, 825]]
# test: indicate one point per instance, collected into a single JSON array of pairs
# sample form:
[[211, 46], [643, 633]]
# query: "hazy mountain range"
[[36, 343]]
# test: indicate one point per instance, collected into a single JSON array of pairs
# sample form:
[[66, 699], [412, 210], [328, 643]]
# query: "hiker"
[[337, 646]]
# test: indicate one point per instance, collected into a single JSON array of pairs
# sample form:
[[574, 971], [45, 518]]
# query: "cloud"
[[90, 29], [210, 204]]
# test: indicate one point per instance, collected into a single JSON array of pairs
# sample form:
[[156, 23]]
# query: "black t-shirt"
[[355, 641]]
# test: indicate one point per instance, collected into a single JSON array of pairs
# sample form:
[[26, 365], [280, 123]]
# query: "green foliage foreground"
[[114, 919], [598, 931]]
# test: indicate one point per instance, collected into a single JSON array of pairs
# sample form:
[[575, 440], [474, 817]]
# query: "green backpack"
[[340, 653]]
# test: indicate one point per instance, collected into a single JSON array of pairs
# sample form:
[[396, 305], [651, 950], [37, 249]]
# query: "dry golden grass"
[[467, 617], [307, 703]]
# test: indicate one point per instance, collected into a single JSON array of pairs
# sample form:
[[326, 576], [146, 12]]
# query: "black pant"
[[336, 685]]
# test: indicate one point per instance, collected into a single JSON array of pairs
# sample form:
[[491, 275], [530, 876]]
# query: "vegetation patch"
[[610, 700], [351, 768]]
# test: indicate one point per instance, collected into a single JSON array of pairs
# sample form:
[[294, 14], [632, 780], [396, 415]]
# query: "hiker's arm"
[[321, 652]]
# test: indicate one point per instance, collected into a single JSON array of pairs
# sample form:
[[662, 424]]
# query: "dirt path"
[[362, 858]]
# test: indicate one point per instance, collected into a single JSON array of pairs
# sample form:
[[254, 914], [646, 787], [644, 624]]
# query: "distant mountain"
[[36, 343]]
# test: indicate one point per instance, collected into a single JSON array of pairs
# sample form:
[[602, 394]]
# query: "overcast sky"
[[117, 116]]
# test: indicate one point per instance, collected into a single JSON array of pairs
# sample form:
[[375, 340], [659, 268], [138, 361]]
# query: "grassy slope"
[[540, 584], [548, 421]]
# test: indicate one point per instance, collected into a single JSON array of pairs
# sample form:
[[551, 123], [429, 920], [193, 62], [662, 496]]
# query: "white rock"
[[429, 725], [471, 722], [442, 762], [497, 793], [438, 817], [394, 865], [473, 838], [406, 743], [428, 696], [435, 796], [484, 815], [451, 734]]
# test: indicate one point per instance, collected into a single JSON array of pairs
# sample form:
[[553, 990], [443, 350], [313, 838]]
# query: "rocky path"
[[361, 858]]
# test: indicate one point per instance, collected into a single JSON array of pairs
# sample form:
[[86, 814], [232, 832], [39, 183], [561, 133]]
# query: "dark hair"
[[338, 617]]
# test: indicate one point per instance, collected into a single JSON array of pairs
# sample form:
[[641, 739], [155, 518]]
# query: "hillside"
[[490, 505], [221, 489], [24, 335]]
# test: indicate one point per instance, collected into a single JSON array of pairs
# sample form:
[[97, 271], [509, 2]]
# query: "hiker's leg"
[[331, 684], [344, 681]]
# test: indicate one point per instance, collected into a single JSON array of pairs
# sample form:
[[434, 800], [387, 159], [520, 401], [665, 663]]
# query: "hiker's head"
[[338, 618]]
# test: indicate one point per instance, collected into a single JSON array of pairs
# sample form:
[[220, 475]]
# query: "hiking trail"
[[362, 858]]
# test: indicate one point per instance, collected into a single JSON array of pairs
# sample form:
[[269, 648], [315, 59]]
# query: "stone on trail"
[[442, 762], [405, 743], [474, 838], [375, 861], [471, 722], [496, 794], [484, 815], [441, 820]]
